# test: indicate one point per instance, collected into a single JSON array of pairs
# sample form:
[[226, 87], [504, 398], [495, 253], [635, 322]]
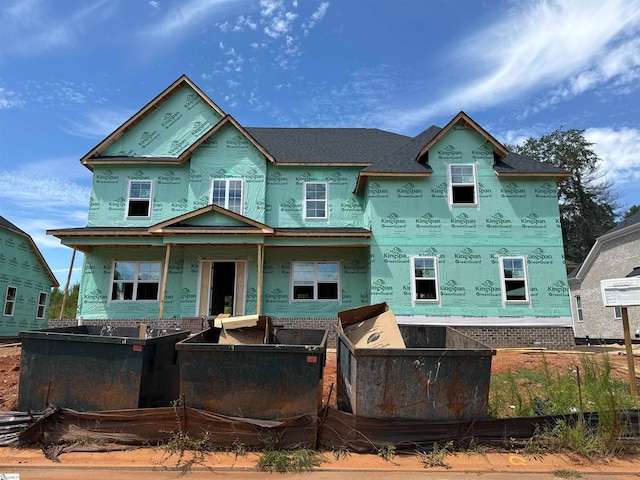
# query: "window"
[[10, 301], [424, 274], [515, 288], [228, 193], [315, 200], [139, 201], [579, 308], [462, 186], [617, 313], [42, 304], [135, 281], [315, 281]]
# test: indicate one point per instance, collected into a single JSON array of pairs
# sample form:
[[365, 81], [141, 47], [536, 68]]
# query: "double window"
[[139, 199], [315, 200], [228, 193], [42, 305], [315, 281], [463, 184], [10, 301], [135, 281], [515, 285], [424, 276]]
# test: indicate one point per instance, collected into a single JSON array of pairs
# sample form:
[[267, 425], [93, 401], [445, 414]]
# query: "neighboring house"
[[614, 255], [192, 214], [25, 282]]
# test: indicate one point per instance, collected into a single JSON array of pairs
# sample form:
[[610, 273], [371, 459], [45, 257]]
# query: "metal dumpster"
[[279, 379], [441, 375], [98, 367]]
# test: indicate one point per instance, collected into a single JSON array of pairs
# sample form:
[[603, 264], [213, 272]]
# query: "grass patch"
[[435, 457], [566, 473], [283, 461]]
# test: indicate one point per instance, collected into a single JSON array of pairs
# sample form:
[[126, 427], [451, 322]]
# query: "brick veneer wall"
[[556, 338]]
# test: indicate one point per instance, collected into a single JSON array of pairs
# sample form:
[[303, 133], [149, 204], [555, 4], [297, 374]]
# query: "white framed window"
[[463, 184], [617, 313], [135, 281], [316, 200], [228, 193], [139, 198], [579, 308], [10, 301], [515, 285], [42, 305], [424, 279], [315, 281]]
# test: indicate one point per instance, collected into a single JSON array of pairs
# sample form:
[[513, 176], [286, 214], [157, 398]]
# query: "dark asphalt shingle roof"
[[327, 145], [515, 164], [627, 222]]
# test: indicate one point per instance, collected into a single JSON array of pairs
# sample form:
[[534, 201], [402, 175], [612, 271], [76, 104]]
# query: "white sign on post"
[[620, 292]]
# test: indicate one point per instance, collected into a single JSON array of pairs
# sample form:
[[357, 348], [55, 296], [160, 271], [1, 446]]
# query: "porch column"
[[164, 279], [260, 267], [66, 287]]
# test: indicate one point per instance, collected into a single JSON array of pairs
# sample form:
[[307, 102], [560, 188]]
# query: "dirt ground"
[[563, 362]]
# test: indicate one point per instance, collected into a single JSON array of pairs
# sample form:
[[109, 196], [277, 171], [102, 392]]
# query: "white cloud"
[[618, 150], [154, 5], [98, 123], [316, 17], [574, 43], [9, 99]]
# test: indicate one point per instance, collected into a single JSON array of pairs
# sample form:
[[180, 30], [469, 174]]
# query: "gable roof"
[[624, 227], [180, 224], [143, 113], [515, 164], [7, 225]]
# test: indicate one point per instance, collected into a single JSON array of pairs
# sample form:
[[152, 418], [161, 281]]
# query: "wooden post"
[[66, 287], [260, 267], [164, 279], [627, 343]]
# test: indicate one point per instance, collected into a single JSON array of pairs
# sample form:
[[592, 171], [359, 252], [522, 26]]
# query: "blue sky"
[[73, 71]]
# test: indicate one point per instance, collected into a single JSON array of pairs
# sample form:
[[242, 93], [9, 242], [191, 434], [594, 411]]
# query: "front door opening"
[[223, 280]]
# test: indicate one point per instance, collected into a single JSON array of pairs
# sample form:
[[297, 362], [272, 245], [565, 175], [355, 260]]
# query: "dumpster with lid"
[[98, 367], [440, 375], [276, 377]]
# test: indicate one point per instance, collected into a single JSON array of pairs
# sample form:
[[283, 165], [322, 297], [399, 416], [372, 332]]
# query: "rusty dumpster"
[[98, 367], [440, 375], [279, 379]]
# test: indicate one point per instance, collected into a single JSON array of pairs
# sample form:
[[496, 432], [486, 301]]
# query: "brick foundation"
[[556, 338]]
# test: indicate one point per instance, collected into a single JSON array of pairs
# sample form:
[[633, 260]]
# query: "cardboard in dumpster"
[[371, 326], [247, 330]]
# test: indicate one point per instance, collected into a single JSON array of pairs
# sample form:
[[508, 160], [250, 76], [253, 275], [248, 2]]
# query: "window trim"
[[450, 185], [315, 298], [579, 311], [503, 282], [129, 198], [436, 278], [12, 302], [135, 281], [43, 305], [305, 209], [226, 193]]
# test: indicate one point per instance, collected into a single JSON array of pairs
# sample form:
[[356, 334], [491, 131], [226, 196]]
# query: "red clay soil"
[[9, 376]]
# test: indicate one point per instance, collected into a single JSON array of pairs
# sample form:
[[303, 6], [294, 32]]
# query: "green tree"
[[587, 201], [70, 306], [633, 209]]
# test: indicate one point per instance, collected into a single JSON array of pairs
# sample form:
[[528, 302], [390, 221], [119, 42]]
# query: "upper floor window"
[[228, 193], [10, 301], [42, 305], [139, 198], [579, 308], [315, 281], [424, 278], [515, 285], [463, 184], [315, 200], [135, 281]]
